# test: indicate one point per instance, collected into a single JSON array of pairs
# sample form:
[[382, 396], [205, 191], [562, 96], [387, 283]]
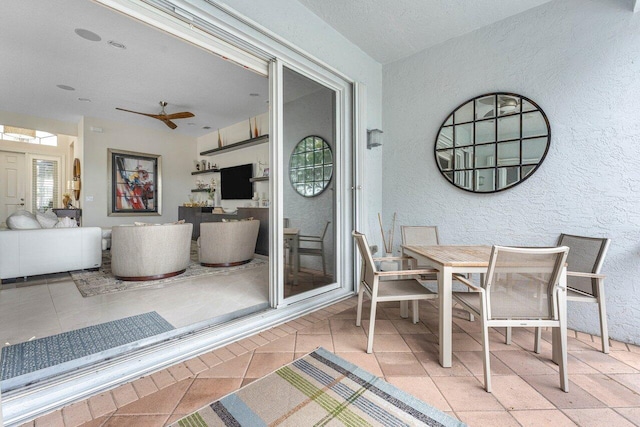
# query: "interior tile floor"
[[51, 304], [604, 389]]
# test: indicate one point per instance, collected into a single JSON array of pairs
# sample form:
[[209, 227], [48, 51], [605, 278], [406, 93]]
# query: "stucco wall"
[[580, 61]]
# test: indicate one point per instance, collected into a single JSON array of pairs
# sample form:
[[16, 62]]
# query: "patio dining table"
[[450, 260]]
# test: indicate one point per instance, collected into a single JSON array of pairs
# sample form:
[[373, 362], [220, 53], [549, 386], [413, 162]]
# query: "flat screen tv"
[[234, 182]]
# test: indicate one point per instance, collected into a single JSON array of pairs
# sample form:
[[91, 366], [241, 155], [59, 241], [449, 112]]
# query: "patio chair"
[[317, 248], [382, 286], [520, 290], [584, 281], [423, 235]]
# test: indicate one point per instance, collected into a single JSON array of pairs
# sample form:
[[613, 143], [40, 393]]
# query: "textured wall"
[[580, 61]]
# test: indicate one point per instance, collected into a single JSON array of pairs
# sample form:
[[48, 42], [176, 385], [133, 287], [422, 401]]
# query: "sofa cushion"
[[22, 220], [48, 219], [66, 222]]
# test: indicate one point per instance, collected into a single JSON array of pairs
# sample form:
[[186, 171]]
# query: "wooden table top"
[[454, 256]]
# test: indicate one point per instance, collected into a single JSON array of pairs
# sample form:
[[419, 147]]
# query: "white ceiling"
[[39, 50], [388, 30]]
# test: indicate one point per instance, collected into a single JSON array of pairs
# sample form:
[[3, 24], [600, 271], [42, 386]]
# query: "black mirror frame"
[[473, 169]]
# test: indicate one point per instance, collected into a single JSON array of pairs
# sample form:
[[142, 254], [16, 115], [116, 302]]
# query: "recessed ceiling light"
[[65, 87], [254, 94], [115, 44], [191, 124], [206, 127], [87, 35], [84, 100]]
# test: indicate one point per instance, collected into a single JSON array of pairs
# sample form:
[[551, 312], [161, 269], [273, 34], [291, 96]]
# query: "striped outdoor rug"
[[318, 389]]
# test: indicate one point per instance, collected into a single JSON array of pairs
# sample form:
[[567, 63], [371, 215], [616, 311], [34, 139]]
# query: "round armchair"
[[150, 252], [225, 244]]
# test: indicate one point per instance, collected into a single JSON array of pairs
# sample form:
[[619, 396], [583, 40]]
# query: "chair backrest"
[[521, 283], [324, 232], [586, 256], [368, 266], [419, 235]]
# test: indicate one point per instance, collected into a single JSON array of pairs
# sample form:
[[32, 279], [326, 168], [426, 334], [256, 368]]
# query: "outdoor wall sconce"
[[374, 138]]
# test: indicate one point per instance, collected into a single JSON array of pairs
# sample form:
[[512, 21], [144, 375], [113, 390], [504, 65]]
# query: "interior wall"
[[176, 168], [255, 154], [578, 59], [310, 115]]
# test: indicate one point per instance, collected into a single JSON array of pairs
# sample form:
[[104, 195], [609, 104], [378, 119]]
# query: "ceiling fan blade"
[[137, 112], [169, 123], [183, 115]]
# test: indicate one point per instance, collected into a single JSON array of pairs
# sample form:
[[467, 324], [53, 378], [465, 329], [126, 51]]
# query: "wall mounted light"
[[374, 138]]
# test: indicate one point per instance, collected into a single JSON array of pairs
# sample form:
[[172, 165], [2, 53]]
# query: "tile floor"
[[604, 389], [51, 304]]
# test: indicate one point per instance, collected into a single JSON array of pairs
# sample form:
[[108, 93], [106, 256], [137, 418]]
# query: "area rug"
[[100, 282], [30, 356], [318, 389]]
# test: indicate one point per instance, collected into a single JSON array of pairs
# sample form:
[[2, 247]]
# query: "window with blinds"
[[44, 183]]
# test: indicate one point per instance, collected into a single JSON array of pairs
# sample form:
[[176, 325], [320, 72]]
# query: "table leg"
[[444, 295]]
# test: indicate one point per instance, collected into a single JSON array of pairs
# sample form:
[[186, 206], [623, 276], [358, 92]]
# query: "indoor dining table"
[[450, 260]]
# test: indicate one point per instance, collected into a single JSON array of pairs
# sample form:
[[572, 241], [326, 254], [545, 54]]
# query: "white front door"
[[12, 183]]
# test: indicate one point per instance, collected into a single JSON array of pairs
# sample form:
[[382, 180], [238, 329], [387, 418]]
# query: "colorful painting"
[[134, 183]]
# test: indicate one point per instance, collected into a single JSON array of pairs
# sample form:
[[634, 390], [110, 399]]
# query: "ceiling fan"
[[163, 116]]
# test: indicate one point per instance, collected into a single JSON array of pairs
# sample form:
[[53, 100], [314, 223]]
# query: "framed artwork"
[[135, 181]]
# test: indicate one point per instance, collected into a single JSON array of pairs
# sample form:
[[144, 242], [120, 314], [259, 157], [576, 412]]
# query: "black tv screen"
[[234, 182]]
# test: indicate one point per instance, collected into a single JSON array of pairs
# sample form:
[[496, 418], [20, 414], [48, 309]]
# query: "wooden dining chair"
[[520, 290], [584, 281], [400, 285]]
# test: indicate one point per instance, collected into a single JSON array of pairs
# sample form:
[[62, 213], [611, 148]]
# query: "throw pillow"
[[143, 224], [237, 220], [66, 222], [48, 219], [22, 220], [181, 221]]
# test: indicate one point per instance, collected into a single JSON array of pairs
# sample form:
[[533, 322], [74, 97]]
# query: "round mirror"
[[492, 142], [311, 166]]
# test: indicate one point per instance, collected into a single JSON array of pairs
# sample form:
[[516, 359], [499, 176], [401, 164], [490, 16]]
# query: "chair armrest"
[[467, 283], [312, 238], [590, 275]]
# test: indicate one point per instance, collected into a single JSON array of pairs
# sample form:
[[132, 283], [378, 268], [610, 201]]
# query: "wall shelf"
[[205, 171], [200, 190], [235, 146], [259, 178]]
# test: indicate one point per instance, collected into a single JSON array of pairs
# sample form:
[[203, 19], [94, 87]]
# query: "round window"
[[492, 142], [311, 166]]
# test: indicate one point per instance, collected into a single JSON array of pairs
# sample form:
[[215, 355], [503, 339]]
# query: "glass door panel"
[[309, 159]]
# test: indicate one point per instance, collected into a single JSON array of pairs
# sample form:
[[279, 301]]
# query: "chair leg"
[[507, 339], [564, 377], [415, 311], [324, 265], [372, 325], [604, 331], [359, 309], [404, 309], [538, 340], [486, 355]]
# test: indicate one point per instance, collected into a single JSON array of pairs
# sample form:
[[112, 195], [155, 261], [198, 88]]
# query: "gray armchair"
[[225, 244]]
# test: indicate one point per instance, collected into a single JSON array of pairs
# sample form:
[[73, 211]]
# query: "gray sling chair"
[[584, 281], [400, 285], [423, 235], [520, 289]]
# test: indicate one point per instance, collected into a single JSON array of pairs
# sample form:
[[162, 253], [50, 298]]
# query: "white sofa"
[[52, 250]]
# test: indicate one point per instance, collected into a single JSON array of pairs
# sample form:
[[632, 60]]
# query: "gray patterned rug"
[[30, 356], [91, 283]]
